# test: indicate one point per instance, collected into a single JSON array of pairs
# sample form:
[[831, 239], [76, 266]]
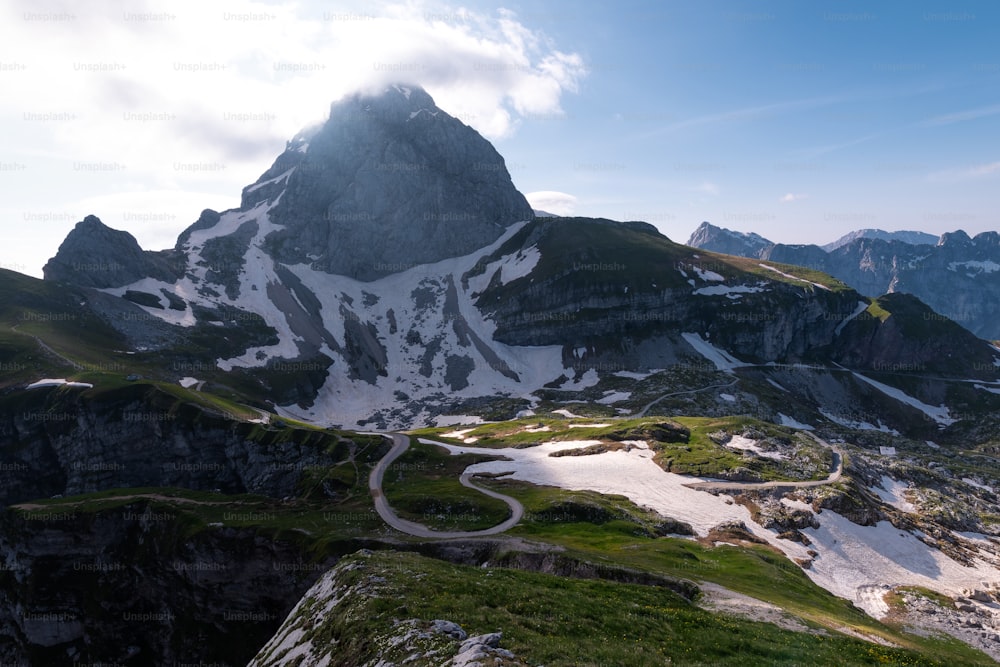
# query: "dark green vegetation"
[[555, 621], [632, 254], [31, 308]]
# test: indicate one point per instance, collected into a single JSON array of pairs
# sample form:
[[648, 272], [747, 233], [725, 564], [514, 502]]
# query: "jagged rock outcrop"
[[728, 242], [389, 181], [94, 255]]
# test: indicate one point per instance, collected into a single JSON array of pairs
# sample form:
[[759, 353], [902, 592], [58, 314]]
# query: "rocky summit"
[[388, 182], [94, 255]]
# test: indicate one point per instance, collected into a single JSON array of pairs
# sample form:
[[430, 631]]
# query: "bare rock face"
[[94, 255], [388, 182]]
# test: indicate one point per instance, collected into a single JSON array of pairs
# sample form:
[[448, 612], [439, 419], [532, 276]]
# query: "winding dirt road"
[[835, 474], [400, 443]]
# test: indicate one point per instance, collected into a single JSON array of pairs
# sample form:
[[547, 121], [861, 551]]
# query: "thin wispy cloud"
[[746, 114], [961, 116], [833, 148]]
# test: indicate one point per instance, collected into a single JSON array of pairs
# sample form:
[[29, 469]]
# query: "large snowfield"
[[855, 562]]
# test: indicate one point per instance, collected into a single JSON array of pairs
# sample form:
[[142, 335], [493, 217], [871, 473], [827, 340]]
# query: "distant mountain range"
[[957, 276]]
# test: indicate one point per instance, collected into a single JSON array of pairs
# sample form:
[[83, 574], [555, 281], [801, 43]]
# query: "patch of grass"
[[555, 621]]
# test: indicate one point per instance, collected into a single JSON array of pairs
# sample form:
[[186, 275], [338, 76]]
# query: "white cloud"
[[708, 188], [790, 197], [153, 85], [552, 201]]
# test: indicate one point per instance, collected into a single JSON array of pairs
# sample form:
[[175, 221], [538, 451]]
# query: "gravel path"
[[400, 443]]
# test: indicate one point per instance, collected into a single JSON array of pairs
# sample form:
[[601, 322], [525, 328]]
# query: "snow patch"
[[511, 267], [854, 558], [614, 397], [785, 420], [285, 174], [632, 375], [457, 420], [188, 382], [859, 425], [722, 359], [728, 290], [892, 493], [460, 435], [706, 275], [974, 267], [632, 474], [862, 307], [939, 413], [744, 444], [51, 382], [776, 385], [786, 275], [977, 484]]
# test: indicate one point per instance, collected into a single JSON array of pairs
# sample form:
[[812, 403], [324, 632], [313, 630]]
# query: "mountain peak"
[[390, 179], [904, 236], [95, 255], [727, 241]]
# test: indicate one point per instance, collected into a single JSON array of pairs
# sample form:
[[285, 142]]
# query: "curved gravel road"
[[835, 473], [400, 443]]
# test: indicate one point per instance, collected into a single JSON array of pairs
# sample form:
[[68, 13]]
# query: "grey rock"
[[94, 255], [388, 182]]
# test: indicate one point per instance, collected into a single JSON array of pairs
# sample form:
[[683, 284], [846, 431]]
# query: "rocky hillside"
[[957, 276]]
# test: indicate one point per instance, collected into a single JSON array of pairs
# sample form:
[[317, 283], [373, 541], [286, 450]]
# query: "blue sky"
[[800, 121]]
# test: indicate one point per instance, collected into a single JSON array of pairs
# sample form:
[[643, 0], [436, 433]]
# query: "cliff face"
[[136, 577], [135, 586], [57, 442]]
